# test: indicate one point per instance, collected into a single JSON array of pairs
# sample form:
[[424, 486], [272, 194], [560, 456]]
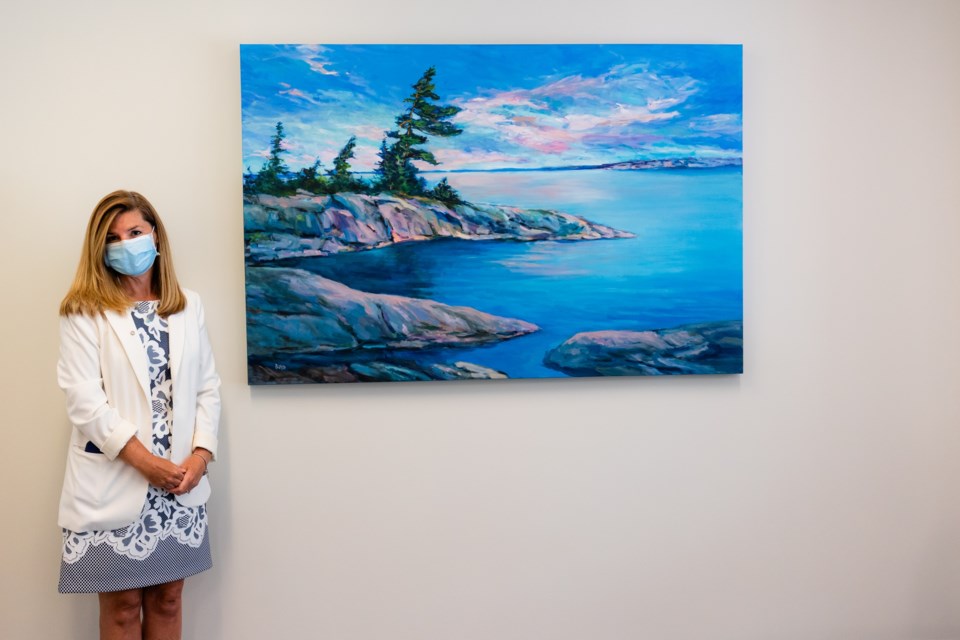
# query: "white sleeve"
[[208, 393], [79, 375]]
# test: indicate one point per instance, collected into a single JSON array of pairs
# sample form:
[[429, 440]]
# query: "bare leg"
[[163, 611], [120, 614]]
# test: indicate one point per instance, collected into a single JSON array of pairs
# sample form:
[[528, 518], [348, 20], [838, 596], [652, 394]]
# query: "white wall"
[[815, 497]]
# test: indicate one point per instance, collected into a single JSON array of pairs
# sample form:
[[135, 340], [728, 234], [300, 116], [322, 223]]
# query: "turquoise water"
[[683, 266]]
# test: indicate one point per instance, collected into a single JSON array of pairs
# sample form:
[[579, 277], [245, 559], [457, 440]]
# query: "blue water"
[[683, 266]]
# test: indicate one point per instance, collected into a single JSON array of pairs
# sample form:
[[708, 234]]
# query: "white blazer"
[[103, 371]]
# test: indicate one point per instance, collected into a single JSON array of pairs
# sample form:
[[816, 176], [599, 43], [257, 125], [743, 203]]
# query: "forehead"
[[128, 220]]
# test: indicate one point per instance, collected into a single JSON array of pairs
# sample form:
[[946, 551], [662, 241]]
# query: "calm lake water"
[[683, 266]]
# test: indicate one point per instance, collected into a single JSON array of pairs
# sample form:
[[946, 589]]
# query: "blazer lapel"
[[122, 325], [175, 323]]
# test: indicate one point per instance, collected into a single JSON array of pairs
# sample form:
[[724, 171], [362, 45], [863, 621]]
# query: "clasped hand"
[[175, 478]]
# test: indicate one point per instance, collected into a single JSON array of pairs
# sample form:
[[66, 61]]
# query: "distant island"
[[627, 165]]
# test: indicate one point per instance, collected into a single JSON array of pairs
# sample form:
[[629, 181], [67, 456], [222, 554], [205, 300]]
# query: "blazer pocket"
[[92, 448], [88, 476]]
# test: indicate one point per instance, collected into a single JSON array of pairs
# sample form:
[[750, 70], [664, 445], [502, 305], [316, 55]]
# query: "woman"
[[143, 398]]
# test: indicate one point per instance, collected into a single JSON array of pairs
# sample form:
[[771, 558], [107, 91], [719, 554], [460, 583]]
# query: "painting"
[[450, 212]]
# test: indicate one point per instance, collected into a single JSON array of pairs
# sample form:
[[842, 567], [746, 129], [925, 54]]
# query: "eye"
[[111, 238], [135, 233]]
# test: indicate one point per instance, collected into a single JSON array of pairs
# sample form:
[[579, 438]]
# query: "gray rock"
[[305, 225], [295, 311], [387, 372], [715, 347], [374, 371], [466, 370]]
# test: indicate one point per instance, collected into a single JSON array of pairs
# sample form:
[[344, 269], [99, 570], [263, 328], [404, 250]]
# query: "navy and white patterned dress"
[[168, 541]]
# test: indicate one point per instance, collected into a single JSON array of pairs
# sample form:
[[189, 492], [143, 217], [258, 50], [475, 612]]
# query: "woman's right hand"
[[162, 473], [158, 471]]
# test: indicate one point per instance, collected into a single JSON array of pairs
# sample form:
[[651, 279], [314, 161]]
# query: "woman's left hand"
[[195, 468]]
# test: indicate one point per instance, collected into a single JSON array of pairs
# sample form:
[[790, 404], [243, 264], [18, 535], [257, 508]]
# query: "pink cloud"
[[368, 131], [570, 87], [296, 93], [457, 159], [482, 117], [304, 159], [621, 116], [365, 159], [320, 66], [655, 104], [544, 140], [311, 55]]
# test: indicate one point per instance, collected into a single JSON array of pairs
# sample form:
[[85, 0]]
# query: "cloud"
[[655, 104], [320, 66], [570, 87], [619, 140], [297, 95], [620, 116], [368, 131], [365, 158], [559, 115], [460, 159], [538, 132], [312, 56], [311, 49], [721, 124]]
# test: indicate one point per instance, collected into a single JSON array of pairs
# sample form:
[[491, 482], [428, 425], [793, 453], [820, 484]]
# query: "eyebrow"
[[136, 226]]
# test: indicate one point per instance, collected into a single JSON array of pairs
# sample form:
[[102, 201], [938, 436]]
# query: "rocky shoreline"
[[705, 348], [295, 311], [373, 371], [307, 225]]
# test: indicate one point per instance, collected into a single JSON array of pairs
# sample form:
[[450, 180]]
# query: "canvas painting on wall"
[[441, 212]]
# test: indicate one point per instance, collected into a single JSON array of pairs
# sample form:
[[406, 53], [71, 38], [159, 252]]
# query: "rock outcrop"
[[307, 225], [293, 311], [715, 347], [374, 371]]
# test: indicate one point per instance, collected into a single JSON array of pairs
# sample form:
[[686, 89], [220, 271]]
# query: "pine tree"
[[386, 168], [421, 119], [276, 164], [311, 178], [340, 177], [445, 193], [271, 176], [249, 182]]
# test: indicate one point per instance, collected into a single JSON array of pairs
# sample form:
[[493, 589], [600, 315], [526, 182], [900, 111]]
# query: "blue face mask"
[[131, 257]]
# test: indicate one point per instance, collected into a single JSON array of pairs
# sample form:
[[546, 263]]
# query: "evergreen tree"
[[421, 119], [396, 173], [386, 168], [340, 177], [271, 176], [275, 163], [445, 193], [311, 179], [249, 182]]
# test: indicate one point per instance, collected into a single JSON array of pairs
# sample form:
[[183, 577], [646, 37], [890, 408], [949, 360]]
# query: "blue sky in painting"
[[522, 105]]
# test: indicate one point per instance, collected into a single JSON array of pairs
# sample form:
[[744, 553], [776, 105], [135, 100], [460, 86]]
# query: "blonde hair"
[[96, 288]]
